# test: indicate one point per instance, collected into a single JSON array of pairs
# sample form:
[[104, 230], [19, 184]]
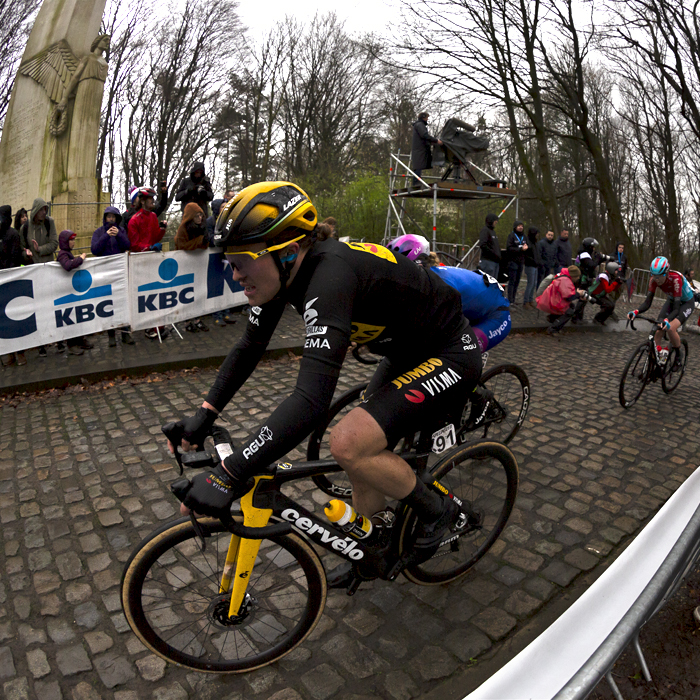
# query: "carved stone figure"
[[50, 135], [60, 73]]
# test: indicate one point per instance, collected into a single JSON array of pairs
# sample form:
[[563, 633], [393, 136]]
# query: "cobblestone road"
[[84, 474]]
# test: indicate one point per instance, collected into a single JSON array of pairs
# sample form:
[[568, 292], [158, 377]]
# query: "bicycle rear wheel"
[[336, 485], [635, 375], [511, 390], [171, 599], [484, 476], [671, 378]]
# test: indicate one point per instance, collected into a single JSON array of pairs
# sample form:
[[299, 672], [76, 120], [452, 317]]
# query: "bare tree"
[[490, 49], [16, 18], [174, 89]]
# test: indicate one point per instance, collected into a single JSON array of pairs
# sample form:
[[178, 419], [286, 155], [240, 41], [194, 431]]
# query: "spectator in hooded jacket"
[[112, 239], [144, 229], [561, 300], [66, 242], [563, 250], [160, 206], [38, 234], [195, 188], [547, 248], [21, 217], [192, 235], [10, 256], [211, 221], [490, 248], [532, 264], [517, 246]]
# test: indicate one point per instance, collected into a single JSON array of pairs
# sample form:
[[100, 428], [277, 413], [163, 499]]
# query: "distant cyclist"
[[484, 303], [680, 302]]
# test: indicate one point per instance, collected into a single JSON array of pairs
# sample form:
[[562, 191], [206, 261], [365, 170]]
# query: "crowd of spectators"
[[30, 237]]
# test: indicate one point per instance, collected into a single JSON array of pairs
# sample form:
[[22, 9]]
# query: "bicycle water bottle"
[[347, 519], [661, 355]]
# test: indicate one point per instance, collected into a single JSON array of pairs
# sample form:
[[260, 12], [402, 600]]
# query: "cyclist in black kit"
[[357, 292]]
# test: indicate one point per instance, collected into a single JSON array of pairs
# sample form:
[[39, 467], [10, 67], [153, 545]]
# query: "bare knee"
[[355, 438]]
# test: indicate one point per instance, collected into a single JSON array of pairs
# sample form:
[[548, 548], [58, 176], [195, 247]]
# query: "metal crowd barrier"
[[570, 658]]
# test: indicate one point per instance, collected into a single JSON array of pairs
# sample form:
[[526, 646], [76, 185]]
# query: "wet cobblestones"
[[85, 474]]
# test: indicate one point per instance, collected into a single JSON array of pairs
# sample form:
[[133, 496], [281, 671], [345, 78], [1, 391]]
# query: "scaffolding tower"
[[400, 222]]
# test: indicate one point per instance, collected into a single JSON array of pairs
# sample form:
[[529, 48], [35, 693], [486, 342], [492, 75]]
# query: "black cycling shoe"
[[430, 535], [481, 400]]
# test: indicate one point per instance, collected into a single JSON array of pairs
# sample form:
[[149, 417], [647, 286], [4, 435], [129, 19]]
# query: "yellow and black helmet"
[[264, 211]]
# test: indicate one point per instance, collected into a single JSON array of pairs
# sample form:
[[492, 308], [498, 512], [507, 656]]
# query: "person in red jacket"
[[144, 231], [601, 291]]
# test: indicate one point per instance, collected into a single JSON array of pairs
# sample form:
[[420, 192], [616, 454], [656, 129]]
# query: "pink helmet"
[[409, 245]]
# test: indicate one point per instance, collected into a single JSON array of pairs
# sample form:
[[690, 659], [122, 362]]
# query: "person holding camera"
[[195, 188]]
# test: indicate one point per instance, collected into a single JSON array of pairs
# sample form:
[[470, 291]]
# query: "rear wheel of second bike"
[[484, 476], [675, 367]]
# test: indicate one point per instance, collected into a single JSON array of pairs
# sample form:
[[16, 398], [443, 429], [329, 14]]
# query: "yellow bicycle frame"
[[242, 552]]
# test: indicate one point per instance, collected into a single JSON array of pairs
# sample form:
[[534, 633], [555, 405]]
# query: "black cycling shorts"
[[401, 398], [687, 308]]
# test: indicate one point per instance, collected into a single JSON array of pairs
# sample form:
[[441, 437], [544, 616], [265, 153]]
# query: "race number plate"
[[444, 438]]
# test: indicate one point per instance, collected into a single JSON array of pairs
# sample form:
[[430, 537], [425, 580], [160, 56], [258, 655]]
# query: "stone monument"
[[50, 135]]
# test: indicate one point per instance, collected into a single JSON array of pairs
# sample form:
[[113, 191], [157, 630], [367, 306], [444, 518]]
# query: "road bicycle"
[[644, 366], [508, 384], [231, 595]]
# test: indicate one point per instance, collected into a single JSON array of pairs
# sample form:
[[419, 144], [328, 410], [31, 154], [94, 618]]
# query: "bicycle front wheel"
[[336, 485], [635, 375], [511, 390], [171, 598], [484, 476], [671, 377]]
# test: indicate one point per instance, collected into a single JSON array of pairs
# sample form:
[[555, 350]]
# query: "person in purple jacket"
[[112, 239], [66, 242]]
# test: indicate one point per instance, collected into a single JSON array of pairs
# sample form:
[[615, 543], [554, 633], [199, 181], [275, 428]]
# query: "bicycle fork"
[[242, 552]]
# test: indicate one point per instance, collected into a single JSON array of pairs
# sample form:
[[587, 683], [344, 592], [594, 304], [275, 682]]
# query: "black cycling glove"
[[212, 492], [196, 428]]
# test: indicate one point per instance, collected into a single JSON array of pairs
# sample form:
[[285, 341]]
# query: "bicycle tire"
[[485, 476], [641, 374], [335, 485], [513, 396], [671, 378], [171, 599]]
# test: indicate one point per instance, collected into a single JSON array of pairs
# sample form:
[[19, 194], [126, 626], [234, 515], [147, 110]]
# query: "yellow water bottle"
[[347, 519]]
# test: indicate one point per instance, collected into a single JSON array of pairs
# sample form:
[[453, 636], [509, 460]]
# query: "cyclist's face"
[[260, 278], [659, 279]]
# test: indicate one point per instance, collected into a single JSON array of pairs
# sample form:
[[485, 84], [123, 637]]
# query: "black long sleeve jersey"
[[345, 292]]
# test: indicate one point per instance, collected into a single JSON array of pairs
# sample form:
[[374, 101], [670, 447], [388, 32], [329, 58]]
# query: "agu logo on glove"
[[167, 271]]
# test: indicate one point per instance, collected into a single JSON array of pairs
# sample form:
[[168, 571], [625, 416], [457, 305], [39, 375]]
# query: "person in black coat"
[[563, 250], [195, 188], [533, 261], [547, 249], [490, 248], [11, 255], [516, 246], [421, 153]]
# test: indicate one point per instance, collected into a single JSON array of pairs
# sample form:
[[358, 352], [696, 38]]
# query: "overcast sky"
[[359, 15]]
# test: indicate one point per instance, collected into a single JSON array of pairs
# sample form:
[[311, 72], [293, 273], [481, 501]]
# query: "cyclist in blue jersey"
[[484, 303]]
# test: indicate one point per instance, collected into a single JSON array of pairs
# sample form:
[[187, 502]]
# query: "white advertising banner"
[[166, 288], [41, 304]]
